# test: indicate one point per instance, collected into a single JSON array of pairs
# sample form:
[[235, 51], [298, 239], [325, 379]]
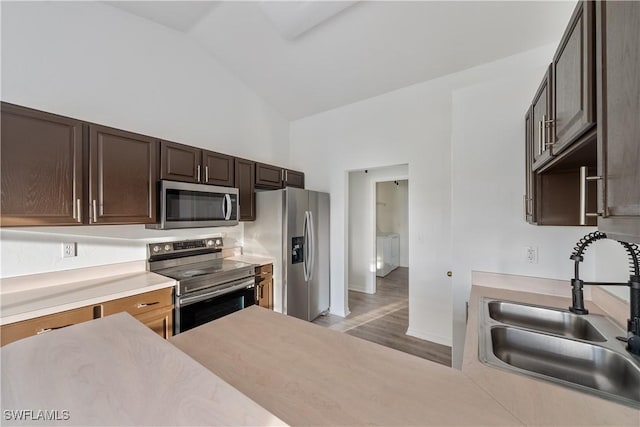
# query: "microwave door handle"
[[227, 199], [224, 207]]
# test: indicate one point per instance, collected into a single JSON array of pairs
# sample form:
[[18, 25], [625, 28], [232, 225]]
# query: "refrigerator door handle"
[[305, 245], [312, 246]]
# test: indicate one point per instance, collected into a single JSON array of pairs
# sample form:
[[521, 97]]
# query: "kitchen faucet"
[[577, 306]]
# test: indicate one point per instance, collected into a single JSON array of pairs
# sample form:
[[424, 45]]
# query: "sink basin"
[[579, 363], [575, 351], [544, 319]]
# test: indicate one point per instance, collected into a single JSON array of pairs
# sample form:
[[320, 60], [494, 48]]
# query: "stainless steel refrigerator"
[[292, 226]]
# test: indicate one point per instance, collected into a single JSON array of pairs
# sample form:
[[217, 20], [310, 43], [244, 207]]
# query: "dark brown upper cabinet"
[[179, 162], [293, 178], [245, 181], [268, 177], [122, 177], [219, 169], [573, 81], [540, 119], [42, 171], [618, 115]]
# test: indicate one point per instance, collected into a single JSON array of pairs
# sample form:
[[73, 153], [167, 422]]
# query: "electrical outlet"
[[69, 250], [531, 254]]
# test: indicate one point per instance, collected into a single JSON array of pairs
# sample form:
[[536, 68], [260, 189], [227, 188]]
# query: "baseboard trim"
[[430, 337]]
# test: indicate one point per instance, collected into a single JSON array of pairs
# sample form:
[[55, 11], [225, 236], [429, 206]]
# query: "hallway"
[[383, 318]]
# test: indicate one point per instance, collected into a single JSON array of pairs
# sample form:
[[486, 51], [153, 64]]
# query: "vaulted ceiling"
[[304, 57]]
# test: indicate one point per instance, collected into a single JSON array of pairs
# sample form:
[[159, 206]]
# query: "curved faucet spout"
[[577, 295]]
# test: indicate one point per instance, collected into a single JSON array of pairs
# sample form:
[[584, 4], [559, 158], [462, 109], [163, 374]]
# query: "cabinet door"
[[218, 169], [618, 32], [245, 182], [529, 202], [540, 117], [293, 179], [268, 177], [159, 321], [180, 162], [573, 106], [264, 286], [122, 174], [41, 168], [40, 325]]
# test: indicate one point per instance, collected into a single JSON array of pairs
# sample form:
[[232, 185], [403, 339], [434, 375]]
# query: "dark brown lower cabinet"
[[245, 181], [42, 168], [618, 77], [122, 177]]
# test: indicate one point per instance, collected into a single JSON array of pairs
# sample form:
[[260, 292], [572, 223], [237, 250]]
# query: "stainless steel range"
[[209, 286]]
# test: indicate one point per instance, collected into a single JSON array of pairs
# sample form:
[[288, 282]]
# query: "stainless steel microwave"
[[185, 205]]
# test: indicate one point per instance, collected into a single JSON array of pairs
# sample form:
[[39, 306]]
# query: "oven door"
[[201, 307]]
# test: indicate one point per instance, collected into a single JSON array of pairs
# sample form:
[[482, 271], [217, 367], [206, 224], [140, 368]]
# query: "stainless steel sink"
[[544, 319], [581, 352]]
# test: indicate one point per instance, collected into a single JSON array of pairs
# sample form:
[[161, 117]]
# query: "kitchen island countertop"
[[116, 371], [306, 374]]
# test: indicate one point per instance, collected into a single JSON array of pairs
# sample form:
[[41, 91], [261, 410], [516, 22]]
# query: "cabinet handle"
[[524, 200], [94, 205], [198, 174], [146, 304], [45, 330], [286, 175], [206, 174], [261, 287], [78, 211], [547, 125], [584, 180], [281, 174], [540, 137]]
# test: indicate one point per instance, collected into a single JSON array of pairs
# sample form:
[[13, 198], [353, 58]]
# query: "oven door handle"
[[197, 298]]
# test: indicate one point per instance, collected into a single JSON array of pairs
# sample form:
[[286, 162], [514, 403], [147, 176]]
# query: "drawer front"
[[141, 303], [39, 325]]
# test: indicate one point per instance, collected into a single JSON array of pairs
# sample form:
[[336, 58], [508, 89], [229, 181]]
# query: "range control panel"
[[185, 246]]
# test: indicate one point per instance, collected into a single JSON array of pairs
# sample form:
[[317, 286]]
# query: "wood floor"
[[383, 318]]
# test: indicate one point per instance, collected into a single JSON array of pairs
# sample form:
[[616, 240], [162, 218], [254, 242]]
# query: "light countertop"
[[253, 259], [306, 374], [116, 371], [27, 297]]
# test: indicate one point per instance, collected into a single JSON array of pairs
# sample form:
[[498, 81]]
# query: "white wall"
[[392, 213], [361, 226], [463, 138], [408, 126], [93, 62], [488, 230]]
